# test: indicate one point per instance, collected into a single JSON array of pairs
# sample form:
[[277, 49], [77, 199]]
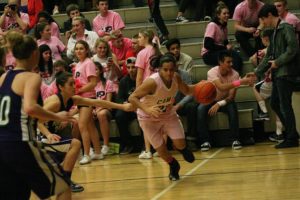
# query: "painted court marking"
[[186, 175]]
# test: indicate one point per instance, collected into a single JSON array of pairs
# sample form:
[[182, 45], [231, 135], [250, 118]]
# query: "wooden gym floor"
[[255, 172]]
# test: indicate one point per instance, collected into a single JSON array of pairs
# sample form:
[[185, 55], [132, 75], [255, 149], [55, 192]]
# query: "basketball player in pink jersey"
[[154, 99]]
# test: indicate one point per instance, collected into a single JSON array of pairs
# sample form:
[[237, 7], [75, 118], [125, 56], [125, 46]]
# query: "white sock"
[[278, 127], [262, 106]]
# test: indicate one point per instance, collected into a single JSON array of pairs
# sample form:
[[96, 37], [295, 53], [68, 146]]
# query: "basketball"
[[205, 92]]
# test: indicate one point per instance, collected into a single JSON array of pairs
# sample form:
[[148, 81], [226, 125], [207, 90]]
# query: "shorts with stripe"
[[57, 150], [154, 130], [25, 166]]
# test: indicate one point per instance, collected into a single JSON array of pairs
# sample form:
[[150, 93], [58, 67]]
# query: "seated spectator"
[[119, 45], [281, 6], [107, 22], [12, 18], [246, 25], [108, 60], [73, 11], [265, 38], [132, 52], [46, 64], [216, 40], [44, 16], [34, 7], [184, 61], [80, 33], [104, 91], [123, 118], [43, 36], [226, 81]]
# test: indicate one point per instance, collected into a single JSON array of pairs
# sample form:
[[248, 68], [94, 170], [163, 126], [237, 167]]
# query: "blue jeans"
[[281, 103], [203, 119]]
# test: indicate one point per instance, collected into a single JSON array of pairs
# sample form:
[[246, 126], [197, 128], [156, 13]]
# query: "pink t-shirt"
[[10, 61], [48, 90], [11, 23], [163, 97], [293, 20], [55, 30], [83, 71], [112, 21], [143, 61], [121, 53], [214, 74], [56, 46], [102, 91], [218, 34], [248, 17]]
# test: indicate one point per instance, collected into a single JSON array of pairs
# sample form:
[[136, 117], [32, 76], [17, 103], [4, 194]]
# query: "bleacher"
[[191, 35]]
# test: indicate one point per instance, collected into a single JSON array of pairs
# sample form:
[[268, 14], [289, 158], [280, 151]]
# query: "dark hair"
[[267, 33], [223, 55], [45, 15], [61, 78], [61, 63], [101, 76], [171, 42], [39, 27], [71, 7], [266, 9], [158, 61], [101, 0], [43, 48], [26, 45]]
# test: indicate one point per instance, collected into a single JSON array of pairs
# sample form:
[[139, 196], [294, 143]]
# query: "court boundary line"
[[157, 196]]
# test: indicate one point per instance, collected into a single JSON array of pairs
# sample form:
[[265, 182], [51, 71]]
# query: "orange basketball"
[[205, 92]]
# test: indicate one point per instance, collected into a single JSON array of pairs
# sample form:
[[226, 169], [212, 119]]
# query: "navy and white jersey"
[[15, 124]]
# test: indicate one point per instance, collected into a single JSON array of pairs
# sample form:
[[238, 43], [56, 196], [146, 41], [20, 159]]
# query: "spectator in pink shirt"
[[44, 16], [11, 39], [247, 24], [85, 82], [104, 91], [216, 40], [108, 22], [43, 36], [281, 6], [13, 19], [119, 45]]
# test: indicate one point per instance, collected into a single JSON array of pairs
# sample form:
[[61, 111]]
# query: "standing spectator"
[[226, 81], [246, 24], [34, 7], [119, 45], [80, 33], [85, 82], [123, 118], [107, 22], [44, 16], [73, 11], [287, 16], [12, 18], [184, 61], [216, 40], [282, 59], [43, 36], [163, 32]]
